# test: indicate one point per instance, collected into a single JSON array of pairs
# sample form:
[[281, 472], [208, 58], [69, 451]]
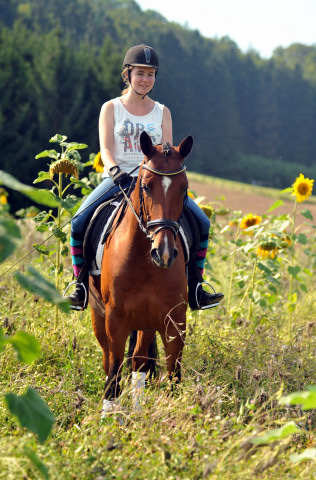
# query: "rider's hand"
[[119, 177]]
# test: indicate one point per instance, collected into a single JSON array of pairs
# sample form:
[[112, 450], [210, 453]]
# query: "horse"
[[143, 284]]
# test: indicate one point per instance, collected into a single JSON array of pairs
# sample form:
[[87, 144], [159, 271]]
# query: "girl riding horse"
[[121, 122]]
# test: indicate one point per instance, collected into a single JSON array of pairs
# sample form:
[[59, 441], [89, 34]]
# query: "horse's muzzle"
[[163, 257]]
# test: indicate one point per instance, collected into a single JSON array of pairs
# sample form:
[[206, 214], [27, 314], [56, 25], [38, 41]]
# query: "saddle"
[[102, 224]]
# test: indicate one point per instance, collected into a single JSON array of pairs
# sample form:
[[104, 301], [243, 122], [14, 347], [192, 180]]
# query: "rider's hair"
[[124, 76]]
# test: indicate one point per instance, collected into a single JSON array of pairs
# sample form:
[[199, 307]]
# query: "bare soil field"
[[234, 197]]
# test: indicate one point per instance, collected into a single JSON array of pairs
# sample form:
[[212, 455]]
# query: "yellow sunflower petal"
[[302, 188], [98, 164], [3, 200], [250, 220]]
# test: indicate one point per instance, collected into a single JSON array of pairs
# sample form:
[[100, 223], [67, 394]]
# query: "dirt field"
[[245, 201]]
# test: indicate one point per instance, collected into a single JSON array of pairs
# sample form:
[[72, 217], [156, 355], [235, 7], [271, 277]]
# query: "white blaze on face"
[[166, 182], [165, 255]]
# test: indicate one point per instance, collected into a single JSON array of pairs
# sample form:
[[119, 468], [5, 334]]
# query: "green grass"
[[235, 367]]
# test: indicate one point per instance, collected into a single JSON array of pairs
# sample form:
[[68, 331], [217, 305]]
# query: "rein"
[[161, 223]]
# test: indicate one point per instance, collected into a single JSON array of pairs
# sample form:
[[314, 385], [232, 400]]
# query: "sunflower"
[[3, 196], [3, 200], [98, 164], [249, 220], [63, 166], [267, 249], [302, 188], [208, 210]]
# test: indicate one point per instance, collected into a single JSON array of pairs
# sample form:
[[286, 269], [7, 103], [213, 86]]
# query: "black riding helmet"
[[140, 56]]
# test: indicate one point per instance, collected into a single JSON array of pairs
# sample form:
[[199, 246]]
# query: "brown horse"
[[143, 283]]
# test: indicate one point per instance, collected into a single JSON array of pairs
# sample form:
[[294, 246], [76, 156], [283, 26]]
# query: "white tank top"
[[127, 130]]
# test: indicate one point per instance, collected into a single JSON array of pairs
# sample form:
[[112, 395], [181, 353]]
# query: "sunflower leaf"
[[31, 412], [294, 270], [42, 176], [58, 138], [307, 214], [10, 237], [302, 239], [42, 197], [306, 398], [76, 146], [41, 467], [308, 454], [3, 340], [276, 204], [48, 153], [35, 283], [26, 346], [276, 434]]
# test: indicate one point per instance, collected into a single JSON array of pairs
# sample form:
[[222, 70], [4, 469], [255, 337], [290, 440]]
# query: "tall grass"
[[236, 366]]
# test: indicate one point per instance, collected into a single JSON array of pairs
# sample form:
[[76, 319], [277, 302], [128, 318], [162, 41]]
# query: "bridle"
[[161, 223]]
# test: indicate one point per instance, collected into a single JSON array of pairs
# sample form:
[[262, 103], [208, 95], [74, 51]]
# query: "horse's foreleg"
[[141, 363], [116, 344], [140, 359]]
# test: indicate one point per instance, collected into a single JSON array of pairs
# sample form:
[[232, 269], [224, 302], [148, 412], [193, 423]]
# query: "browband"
[[160, 172]]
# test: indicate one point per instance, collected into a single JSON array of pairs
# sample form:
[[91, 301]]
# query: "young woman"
[[121, 122]]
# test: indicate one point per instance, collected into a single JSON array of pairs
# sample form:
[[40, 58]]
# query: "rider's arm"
[[166, 126], [106, 134]]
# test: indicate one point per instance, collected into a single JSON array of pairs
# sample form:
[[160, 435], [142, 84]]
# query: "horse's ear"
[[146, 144], [185, 146]]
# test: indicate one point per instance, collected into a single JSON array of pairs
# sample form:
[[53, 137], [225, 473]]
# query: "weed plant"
[[239, 359]]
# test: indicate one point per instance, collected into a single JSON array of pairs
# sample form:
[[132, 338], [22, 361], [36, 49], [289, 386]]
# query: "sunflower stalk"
[[58, 246], [253, 278], [232, 268]]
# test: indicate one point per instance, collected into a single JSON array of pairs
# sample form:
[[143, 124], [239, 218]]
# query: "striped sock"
[[76, 249], [201, 256]]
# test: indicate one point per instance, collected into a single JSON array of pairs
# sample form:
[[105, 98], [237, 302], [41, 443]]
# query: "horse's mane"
[[166, 150]]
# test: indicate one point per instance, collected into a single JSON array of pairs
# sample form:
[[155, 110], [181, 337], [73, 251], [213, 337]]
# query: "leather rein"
[[161, 223]]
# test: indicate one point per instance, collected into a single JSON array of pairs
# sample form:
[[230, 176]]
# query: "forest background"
[[252, 119]]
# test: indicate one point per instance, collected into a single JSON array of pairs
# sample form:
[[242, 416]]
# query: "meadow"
[[232, 417]]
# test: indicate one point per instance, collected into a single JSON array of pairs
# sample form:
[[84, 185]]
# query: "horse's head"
[[163, 188]]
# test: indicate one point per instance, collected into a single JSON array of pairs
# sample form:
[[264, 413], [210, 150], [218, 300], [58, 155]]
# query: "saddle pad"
[[94, 240], [96, 266]]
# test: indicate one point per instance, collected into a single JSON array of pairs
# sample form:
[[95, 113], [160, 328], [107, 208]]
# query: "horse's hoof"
[[111, 407]]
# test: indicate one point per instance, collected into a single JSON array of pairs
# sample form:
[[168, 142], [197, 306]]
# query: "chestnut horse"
[[143, 283]]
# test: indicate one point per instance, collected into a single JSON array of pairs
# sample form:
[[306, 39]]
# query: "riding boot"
[[78, 299], [199, 299]]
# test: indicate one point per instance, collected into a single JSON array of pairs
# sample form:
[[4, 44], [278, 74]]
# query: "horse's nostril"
[[155, 256]]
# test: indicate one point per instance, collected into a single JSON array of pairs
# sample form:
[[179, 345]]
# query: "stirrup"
[[196, 296], [76, 307]]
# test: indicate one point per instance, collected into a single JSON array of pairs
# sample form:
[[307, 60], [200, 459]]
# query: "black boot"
[[78, 299], [199, 299]]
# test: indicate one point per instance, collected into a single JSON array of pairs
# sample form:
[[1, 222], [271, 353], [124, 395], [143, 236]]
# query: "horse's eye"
[[146, 188]]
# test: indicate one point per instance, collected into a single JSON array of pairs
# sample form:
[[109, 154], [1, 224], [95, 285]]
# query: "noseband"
[[161, 223]]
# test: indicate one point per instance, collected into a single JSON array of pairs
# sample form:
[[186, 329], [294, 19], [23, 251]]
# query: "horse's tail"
[[152, 354]]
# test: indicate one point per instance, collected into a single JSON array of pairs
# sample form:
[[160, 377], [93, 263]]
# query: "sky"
[[260, 25]]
